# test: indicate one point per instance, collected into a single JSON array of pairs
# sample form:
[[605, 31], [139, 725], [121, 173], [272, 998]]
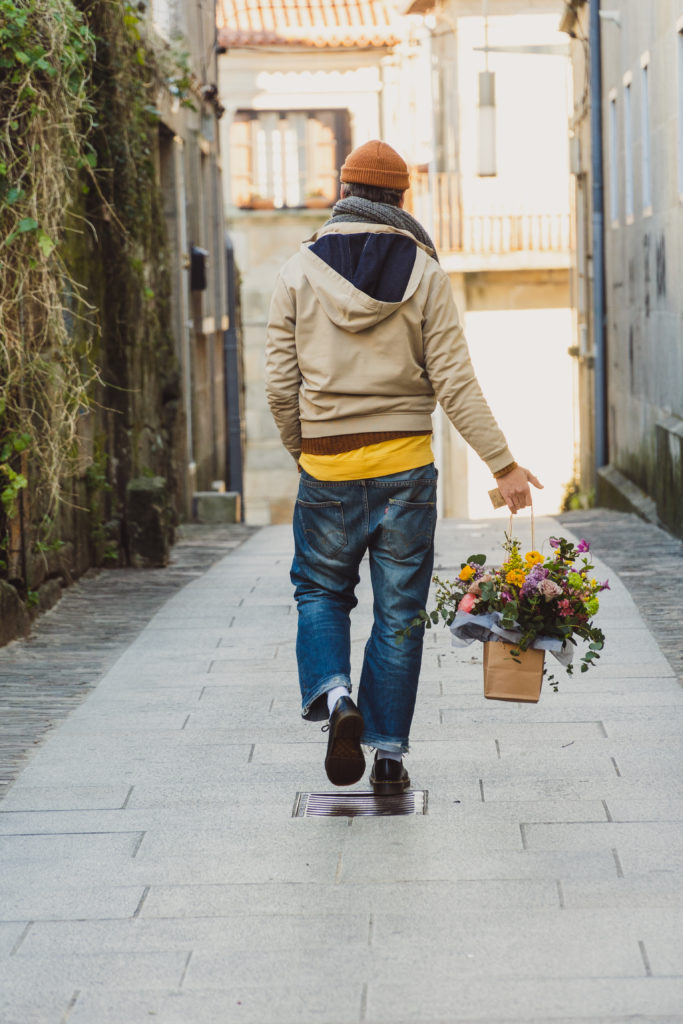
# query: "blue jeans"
[[335, 523]]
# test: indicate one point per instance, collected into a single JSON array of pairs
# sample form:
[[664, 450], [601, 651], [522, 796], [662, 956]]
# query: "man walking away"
[[363, 339]]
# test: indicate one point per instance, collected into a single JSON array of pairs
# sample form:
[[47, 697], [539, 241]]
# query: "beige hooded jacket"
[[339, 361]]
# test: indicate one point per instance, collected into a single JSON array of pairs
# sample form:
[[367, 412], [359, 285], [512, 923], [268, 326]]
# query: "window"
[[613, 157], [287, 159], [628, 148], [645, 128]]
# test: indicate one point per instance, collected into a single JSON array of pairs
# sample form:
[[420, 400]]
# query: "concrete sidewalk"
[[150, 868]]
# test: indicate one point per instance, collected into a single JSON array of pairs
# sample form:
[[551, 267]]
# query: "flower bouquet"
[[526, 606]]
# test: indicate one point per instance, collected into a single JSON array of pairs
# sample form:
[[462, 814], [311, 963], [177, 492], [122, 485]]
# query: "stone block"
[[512, 943], [216, 507], [421, 998], [149, 519], [14, 617], [49, 593], [43, 898], [60, 798], [153, 970], [250, 1004]]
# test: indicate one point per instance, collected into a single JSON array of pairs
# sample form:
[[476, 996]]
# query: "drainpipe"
[[232, 377], [599, 312]]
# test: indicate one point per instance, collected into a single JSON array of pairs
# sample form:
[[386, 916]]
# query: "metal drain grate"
[[352, 805]]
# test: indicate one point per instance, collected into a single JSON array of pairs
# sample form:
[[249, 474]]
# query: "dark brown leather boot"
[[345, 762], [388, 776]]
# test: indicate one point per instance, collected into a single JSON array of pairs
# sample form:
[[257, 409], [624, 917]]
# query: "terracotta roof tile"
[[314, 23]]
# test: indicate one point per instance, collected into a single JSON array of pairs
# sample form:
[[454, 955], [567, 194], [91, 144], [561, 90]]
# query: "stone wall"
[[643, 184], [148, 338]]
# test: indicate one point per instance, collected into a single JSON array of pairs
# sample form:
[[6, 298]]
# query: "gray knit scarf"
[[353, 209]]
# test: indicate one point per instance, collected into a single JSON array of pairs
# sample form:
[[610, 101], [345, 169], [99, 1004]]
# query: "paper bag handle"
[[533, 527]]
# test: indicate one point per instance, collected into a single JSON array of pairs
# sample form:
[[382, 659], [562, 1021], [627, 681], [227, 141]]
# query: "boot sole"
[[345, 761]]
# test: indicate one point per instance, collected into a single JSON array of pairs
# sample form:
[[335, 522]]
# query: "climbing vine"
[[84, 282], [46, 50]]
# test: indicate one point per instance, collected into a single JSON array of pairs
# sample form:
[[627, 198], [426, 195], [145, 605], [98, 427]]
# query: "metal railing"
[[435, 198]]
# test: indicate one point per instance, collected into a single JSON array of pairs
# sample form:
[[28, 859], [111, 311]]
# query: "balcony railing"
[[435, 198]]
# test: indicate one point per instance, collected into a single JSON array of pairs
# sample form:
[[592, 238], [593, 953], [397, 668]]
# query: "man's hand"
[[514, 487]]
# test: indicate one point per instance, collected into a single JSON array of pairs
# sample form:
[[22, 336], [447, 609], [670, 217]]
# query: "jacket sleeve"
[[450, 371], [283, 377]]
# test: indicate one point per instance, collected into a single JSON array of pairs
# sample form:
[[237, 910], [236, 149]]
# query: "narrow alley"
[[152, 868]]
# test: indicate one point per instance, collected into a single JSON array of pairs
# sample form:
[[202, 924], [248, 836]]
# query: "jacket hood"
[[361, 275]]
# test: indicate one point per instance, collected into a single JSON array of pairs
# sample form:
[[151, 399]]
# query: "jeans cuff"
[[314, 709], [373, 739]]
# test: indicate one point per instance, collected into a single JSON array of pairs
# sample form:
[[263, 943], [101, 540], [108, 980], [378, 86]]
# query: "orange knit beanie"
[[376, 163]]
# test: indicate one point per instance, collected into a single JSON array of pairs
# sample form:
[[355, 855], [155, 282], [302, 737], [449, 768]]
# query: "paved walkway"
[[150, 868]]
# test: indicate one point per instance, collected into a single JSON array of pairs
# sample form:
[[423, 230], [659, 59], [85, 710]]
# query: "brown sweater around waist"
[[340, 443]]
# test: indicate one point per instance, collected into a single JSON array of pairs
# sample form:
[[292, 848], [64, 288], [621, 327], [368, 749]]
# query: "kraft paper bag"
[[512, 678]]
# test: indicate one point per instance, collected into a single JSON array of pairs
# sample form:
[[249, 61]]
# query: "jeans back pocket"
[[322, 523], [409, 527]]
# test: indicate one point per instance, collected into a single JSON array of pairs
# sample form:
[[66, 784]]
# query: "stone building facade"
[[150, 313], [640, 409]]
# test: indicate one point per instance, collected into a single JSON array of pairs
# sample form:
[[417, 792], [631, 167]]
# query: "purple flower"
[[582, 546], [554, 542], [605, 585], [534, 577]]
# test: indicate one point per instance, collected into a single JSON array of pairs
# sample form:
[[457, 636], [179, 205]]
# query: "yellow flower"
[[533, 558], [516, 577], [466, 573]]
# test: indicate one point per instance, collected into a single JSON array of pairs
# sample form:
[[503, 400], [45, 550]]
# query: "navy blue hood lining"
[[379, 265]]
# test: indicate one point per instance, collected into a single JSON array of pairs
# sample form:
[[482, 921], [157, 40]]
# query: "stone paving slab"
[[427, 997], [45, 898], [20, 1004], [459, 896]]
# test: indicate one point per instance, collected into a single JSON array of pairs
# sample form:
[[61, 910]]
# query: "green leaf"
[[21, 442], [27, 224], [477, 559], [45, 243]]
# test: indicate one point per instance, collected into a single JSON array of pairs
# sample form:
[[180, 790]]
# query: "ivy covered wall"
[[92, 411]]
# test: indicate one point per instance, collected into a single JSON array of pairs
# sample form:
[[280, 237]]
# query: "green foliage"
[[46, 50], [574, 499], [81, 82]]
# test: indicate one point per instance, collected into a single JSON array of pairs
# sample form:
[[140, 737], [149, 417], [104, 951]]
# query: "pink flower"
[[565, 608], [554, 542], [467, 603], [605, 585], [548, 589], [583, 545]]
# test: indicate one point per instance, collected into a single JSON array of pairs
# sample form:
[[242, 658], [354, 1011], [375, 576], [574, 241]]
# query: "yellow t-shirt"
[[381, 459]]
